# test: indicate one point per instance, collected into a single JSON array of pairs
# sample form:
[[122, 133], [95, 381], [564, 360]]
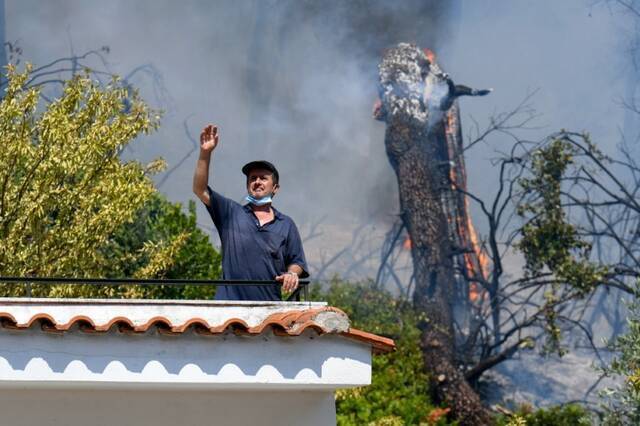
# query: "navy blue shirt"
[[251, 251]]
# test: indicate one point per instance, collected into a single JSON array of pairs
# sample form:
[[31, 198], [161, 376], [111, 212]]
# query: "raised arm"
[[208, 142]]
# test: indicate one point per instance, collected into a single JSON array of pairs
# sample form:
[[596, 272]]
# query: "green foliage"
[[69, 207], [160, 220], [565, 415], [623, 401], [548, 241], [399, 393], [63, 189]]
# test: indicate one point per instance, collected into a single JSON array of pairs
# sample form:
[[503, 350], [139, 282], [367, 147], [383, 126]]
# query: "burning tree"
[[559, 202], [415, 97]]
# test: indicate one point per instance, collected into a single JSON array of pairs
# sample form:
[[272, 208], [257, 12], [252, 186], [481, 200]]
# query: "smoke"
[[3, 52], [290, 81], [294, 81], [568, 52], [571, 55]]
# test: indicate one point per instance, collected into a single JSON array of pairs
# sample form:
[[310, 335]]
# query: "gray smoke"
[[569, 52], [294, 82], [290, 81]]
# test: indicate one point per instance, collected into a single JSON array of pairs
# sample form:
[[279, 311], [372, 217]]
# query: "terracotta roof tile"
[[294, 322], [380, 344]]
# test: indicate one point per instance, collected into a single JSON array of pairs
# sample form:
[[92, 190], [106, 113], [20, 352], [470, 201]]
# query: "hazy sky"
[[294, 82]]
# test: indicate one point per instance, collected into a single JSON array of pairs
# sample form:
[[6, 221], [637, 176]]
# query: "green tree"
[[158, 221], [67, 200], [551, 243]]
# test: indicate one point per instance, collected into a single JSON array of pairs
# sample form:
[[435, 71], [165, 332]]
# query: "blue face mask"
[[258, 201]]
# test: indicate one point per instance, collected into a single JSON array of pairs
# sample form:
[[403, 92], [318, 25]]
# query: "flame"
[[475, 243], [474, 292], [407, 244], [436, 414], [477, 262], [429, 54], [377, 109]]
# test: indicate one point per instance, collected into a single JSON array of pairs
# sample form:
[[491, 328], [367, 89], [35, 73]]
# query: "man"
[[258, 242]]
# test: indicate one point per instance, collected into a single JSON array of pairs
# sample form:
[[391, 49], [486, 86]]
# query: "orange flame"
[[475, 243], [436, 414], [429, 54], [474, 293], [476, 262], [407, 244]]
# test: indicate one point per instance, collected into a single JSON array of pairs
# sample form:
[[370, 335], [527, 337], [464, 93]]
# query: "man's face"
[[260, 183]]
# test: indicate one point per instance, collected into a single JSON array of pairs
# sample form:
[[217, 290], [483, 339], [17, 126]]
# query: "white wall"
[[158, 408], [92, 378], [187, 361]]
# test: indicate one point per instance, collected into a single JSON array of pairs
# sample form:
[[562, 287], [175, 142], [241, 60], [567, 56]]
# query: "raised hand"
[[209, 138]]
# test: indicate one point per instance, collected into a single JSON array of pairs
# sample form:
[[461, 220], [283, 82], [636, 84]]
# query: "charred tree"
[[415, 96]]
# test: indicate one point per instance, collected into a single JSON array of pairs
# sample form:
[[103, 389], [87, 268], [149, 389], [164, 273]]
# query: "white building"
[[157, 362]]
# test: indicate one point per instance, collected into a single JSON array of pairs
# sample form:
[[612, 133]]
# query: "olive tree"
[[64, 190]]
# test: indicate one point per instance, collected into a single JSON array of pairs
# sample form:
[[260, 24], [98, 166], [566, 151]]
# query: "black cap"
[[261, 164]]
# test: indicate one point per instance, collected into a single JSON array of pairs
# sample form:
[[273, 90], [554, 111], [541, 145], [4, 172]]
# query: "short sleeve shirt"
[[251, 251]]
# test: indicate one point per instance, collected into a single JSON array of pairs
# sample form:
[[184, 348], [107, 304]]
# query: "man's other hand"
[[209, 138], [289, 281]]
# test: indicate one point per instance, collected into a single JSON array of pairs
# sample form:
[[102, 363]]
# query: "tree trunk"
[[413, 143]]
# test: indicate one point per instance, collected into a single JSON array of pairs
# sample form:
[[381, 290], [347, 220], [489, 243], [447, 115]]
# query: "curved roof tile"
[[322, 319]]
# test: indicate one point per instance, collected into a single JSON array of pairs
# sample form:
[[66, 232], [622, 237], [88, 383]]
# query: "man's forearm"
[[201, 176]]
